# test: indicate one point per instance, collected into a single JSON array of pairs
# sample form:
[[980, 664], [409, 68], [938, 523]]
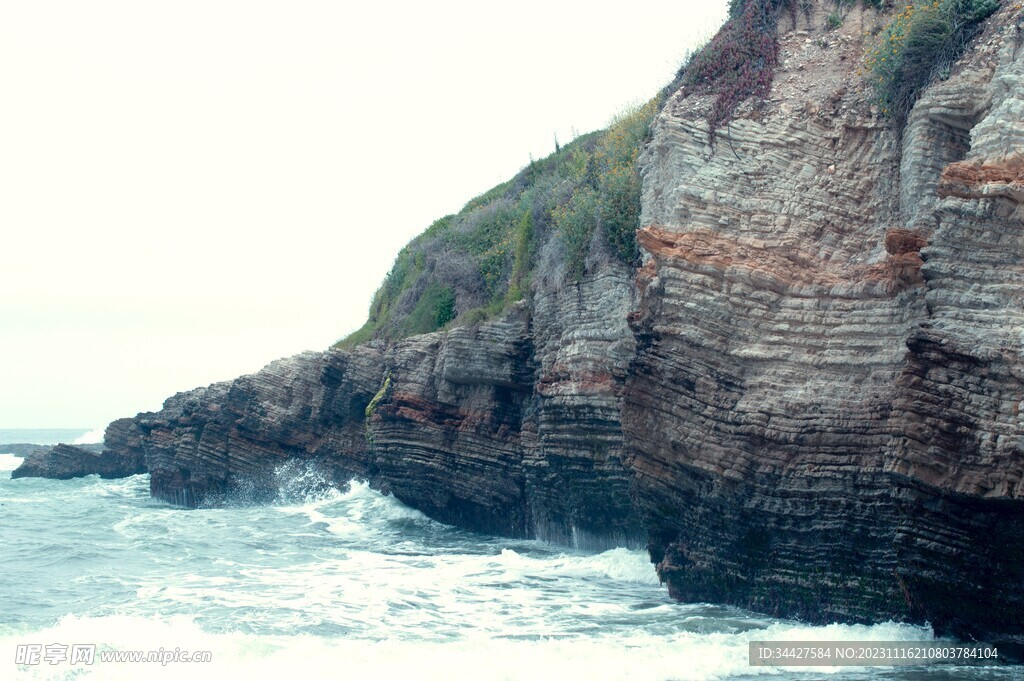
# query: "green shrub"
[[521, 262], [360, 335], [438, 227], [434, 309], [475, 316], [576, 222], [487, 197], [920, 43], [618, 178], [834, 21], [483, 313], [608, 193], [444, 307], [620, 210], [470, 267]]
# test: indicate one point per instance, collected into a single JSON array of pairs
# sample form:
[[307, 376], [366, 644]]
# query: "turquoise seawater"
[[50, 436], [349, 584]]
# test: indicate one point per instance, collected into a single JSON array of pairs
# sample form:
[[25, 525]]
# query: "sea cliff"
[[805, 399]]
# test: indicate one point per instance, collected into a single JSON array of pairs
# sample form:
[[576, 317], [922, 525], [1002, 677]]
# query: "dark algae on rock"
[[799, 382]]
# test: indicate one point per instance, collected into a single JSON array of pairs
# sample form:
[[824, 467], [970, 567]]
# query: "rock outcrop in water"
[[496, 428], [808, 400], [28, 448], [63, 462]]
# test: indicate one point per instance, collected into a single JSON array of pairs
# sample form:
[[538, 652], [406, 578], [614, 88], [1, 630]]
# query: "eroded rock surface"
[[472, 426], [63, 462], [823, 417], [807, 400]]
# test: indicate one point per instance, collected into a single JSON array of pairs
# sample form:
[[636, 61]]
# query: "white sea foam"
[[351, 583], [476, 657], [358, 505], [624, 565], [372, 503], [93, 437], [8, 462]]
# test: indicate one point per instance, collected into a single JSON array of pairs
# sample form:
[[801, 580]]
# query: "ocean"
[[51, 436], [330, 583]]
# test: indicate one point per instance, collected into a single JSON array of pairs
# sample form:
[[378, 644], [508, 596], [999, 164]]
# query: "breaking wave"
[[328, 582]]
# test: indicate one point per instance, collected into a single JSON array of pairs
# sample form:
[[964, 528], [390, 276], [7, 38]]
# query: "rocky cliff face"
[[823, 414], [229, 438], [509, 427], [807, 400]]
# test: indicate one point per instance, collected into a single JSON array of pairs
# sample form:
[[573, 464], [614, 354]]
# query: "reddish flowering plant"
[[739, 63]]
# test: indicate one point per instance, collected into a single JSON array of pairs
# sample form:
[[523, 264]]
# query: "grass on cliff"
[[472, 266], [920, 44]]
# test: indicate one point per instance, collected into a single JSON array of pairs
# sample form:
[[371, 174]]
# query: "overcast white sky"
[[191, 189]]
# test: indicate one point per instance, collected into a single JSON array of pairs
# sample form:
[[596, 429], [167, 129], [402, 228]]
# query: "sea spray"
[[345, 580]]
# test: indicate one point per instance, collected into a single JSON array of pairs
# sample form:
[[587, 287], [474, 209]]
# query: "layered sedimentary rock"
[[823, 414], [228, 439], [807, 400], [473, 426], [513, 426], [63, 462]]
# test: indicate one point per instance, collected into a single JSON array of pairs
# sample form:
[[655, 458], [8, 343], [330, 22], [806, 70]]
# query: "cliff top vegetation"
[[584, 198], [471, 266]]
